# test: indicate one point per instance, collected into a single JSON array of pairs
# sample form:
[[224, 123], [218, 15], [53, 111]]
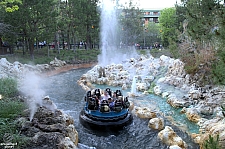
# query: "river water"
[[69, 97]]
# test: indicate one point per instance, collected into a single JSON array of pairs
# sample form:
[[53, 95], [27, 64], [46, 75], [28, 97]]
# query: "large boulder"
[[193, 115], [49, 129], [169, 137], [175, 102], [212, 127], [144, 112], [156, 123]]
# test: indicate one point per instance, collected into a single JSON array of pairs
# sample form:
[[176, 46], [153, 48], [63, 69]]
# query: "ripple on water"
[[69, 98]]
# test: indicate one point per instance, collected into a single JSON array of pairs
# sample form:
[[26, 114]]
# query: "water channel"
[[68, 96]]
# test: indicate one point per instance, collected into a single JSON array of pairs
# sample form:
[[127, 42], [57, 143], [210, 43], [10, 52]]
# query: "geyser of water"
[[133, 86], [110, 37], [29, 86]]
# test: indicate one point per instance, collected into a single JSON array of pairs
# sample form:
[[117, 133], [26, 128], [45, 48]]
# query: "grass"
[[10, 109], [8, 87], [43, 56]]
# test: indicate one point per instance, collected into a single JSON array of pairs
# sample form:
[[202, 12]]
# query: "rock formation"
[[169, 137], [197, 102], [49, 127]]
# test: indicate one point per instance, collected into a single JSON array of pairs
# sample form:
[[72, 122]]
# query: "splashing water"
[[133, 86], [29, 86], [110, 37]]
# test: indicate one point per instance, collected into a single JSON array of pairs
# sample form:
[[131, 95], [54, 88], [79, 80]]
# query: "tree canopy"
[[10, 5], [167, 22]]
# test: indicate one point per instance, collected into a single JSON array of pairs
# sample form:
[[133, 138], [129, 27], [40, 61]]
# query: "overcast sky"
[[155, 4]]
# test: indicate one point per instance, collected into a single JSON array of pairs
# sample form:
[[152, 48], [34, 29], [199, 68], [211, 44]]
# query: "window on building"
[[155, 20], [155, 13]]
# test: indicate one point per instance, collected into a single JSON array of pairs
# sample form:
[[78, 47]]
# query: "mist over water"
[[30, 87], [111, 50]]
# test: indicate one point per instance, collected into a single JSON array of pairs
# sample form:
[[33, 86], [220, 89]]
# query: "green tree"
[[131, 25], [86, 20], [201, 16], [153, 33], [10, 5], [167, 22], [35, 20], [205, 29]]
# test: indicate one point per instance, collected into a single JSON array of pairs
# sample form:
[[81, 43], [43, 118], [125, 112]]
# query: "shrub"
[[9, 111], [8, 87], [211, 143], [218, 69], [151, 88]]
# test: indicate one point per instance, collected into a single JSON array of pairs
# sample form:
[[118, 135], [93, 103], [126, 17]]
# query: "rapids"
[[69, 97]]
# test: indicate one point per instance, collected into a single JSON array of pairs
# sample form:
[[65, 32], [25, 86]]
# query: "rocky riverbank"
[[42, 124], [201, 105], [49, 128], [167, 77]]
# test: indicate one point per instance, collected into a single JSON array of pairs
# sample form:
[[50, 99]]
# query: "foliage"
[[8, 112], [10, 5], [167, 20], [218, 72], [202, 39], [152, 34], [219, 37], [131, 28], [201, 16], [151, 88], [212, 143], [33, 21], [10, 109], [45, 56], [4, 29], [8, 87], [198, 59], [173, 48], [79, 21]]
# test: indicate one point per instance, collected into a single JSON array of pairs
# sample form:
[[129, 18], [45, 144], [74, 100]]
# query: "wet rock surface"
[[202, 103], [48, 129]]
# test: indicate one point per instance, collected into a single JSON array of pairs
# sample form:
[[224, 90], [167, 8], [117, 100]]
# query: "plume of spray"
[[30, 87], [111, 52], [133, 86]]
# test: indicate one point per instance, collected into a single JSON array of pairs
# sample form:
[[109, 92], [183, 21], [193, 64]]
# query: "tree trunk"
[[31, 48], [1, 42]]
